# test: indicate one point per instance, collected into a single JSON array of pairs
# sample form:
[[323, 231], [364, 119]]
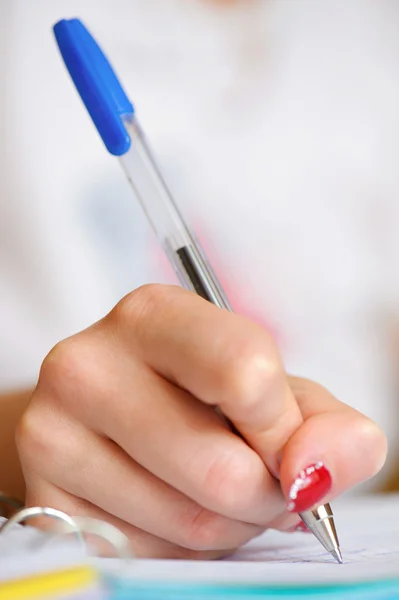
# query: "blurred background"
[[276, 125]]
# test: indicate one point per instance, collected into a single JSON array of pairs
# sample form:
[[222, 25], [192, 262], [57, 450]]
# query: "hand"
[[122, 427]]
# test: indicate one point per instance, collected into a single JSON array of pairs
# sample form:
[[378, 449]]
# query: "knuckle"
[[32, 436], [229, 482], [140, 302], [74, 376], [47, 439], [251, 374], [202, 530], [62, 366]]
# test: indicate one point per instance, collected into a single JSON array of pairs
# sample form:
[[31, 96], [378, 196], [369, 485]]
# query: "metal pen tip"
[[336, 553]]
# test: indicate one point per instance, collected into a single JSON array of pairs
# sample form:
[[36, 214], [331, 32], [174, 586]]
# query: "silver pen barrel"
[[320, 521]]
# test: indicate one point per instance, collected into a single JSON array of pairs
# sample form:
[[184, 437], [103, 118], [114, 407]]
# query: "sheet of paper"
[[368, 529], [369, 534]]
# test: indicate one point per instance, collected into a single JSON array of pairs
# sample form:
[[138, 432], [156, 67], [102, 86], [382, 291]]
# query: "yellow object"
[[47, 585]]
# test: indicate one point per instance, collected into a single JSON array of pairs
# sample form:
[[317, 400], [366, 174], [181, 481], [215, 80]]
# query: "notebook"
[[36, 566], [283, 565], [275, 565]]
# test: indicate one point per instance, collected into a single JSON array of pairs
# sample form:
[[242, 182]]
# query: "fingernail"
[[309, 487]]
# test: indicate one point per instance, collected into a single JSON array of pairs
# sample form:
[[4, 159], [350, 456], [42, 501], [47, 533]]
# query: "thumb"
[[328, 454]]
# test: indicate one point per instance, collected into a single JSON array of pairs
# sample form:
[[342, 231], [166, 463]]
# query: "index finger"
[[219, 357]]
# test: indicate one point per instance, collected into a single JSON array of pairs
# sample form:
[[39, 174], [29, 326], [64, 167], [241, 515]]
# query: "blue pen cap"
[[96, 82]]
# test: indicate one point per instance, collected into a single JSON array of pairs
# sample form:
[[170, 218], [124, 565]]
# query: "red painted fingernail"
[[310, 486]]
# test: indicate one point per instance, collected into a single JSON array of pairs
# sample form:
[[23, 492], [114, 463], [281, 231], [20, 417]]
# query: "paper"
[[34, 566], [25, 551], [368, 529], [275, 565]]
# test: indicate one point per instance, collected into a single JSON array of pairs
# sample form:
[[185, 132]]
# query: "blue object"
[[96, 82], [123, 589]]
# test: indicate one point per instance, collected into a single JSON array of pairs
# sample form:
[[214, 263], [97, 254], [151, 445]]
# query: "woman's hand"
[[122, 427]]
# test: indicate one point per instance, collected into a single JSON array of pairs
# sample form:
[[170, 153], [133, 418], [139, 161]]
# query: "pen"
[[115, 119]]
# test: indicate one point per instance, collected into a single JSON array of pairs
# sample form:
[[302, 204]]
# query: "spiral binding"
[[78, 526]]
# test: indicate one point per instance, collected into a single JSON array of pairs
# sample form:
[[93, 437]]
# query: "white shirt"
[[275, 124]]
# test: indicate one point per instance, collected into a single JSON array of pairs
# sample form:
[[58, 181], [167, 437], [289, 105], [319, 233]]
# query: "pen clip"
[[96, 83]]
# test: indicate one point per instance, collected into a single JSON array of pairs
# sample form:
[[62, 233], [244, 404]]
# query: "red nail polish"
[[310, 486]]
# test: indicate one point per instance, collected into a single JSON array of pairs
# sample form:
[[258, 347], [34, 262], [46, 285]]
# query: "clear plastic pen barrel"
[[184, 252]]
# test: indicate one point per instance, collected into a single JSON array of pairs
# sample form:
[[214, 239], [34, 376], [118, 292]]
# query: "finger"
[[222, 359], [162, 427], [335, 449], [143, 544], [107, 477]]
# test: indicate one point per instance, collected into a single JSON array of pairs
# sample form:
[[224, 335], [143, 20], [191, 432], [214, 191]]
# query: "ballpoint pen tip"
[[336, 553]]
